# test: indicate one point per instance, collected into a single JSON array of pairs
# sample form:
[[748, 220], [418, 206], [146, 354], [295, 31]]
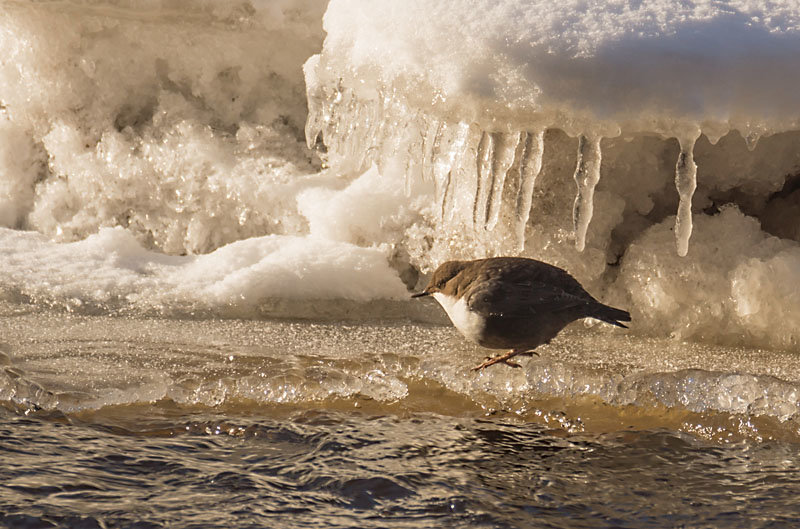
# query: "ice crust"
[[77, 364], [175, 134]]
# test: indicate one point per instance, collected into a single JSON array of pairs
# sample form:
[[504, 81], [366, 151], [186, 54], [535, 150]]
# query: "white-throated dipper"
[[513, 303]]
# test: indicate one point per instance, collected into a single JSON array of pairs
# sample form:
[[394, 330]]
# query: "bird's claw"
[[492, 360], [504, 359]]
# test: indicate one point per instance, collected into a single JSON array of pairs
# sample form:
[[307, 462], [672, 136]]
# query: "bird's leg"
[[505, 359]]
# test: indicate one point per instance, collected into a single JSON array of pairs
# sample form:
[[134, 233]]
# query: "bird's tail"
[[611, 315]]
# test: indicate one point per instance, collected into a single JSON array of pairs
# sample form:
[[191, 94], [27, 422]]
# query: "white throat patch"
[[471, 325]]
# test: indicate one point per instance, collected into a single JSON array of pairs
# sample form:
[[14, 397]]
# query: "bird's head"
[[441, 276]]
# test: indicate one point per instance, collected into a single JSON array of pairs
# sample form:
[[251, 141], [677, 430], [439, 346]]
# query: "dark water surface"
[[337, 469], [136, 422]]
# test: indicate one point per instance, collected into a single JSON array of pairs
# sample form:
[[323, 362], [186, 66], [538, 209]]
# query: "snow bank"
[[463, 93], [652, 65], [110, 271]]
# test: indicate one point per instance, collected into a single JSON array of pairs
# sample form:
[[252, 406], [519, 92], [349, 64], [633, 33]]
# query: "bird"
[[513, 303]]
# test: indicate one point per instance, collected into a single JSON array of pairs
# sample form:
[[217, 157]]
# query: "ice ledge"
[[640, 66], [483, 178], [463, 98]]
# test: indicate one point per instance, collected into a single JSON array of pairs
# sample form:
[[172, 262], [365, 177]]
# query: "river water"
[[153, 422]]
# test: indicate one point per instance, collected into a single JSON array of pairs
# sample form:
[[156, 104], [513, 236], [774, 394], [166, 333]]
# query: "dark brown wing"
[[495, 297], [528, 283], [521, 270]]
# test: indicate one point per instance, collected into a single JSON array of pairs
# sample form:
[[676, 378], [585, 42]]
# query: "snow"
[[111, 271]]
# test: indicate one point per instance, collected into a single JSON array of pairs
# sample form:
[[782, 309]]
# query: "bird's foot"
[[503, 359]]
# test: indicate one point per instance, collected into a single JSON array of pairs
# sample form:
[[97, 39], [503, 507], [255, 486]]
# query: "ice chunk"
[[732, 286]]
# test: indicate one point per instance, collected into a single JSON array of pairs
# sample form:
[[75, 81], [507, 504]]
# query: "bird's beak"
[[421, 294]]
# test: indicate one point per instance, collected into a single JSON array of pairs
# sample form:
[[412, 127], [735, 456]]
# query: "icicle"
[[446, 194], [360, 134], [587, 174], [430, 142], [505, 147], [414, 152], [336, 122], [373, 116], [313, 126], [408, 182], [316, 102], [451, 141], [484, 183], [529, 168], [751, 140], [685, 182], [715, 131]]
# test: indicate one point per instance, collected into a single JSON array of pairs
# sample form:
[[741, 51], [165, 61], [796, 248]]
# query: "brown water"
[[135, 422]]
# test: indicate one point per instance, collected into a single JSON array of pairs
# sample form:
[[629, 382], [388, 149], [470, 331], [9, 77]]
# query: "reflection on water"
[[118, 422], [337, 469]]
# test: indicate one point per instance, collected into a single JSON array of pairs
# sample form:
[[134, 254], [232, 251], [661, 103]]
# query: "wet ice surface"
[[584, 381], [110, 421]]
